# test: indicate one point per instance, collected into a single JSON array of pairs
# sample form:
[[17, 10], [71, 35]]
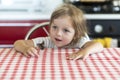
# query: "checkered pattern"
[[52, 65]]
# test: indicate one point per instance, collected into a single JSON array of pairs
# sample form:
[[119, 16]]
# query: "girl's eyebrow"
[[67, 27], [54, 24]]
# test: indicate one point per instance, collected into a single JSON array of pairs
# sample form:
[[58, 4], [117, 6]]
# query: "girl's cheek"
[[51, 31]]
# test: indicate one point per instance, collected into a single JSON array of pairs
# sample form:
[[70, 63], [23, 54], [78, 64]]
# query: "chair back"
[[41, 25]]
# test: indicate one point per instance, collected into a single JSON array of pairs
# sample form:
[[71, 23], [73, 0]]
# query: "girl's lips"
[[57, 39]]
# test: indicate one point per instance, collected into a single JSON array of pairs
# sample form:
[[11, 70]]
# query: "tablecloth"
[[53, 65]]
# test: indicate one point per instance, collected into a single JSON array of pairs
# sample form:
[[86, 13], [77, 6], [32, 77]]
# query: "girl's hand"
[[31, 52], [81, 54]]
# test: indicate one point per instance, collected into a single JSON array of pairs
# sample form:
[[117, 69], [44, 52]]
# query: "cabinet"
[[104, 28], [12, 30]]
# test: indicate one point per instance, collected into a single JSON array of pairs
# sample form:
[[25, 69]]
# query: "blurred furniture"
[[12, 30], [53, 65], [40, 25]]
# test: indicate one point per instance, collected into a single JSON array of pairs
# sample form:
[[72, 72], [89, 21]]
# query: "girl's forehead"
[[64, 16], [63, 20]]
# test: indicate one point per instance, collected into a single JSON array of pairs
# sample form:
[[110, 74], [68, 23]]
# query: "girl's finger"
[[35, 52], [77, 57], [27, 55], [85, 57], [30, 53]]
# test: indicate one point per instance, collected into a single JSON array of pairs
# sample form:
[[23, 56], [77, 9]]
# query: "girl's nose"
[[59, 32]]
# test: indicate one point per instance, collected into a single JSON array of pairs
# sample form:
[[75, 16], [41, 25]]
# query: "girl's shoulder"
[[83, 40]]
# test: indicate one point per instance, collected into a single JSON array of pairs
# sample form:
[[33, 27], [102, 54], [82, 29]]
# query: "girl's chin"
[[59, 46]]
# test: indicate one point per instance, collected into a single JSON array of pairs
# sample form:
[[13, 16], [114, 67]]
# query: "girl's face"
[[62, 31]]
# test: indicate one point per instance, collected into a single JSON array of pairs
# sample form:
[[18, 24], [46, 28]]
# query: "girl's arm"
[[26, 47], [89, 48]]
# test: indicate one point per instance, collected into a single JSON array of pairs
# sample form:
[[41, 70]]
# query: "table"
[[53, 65]]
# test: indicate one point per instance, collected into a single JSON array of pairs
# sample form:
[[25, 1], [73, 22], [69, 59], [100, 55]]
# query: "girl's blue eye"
[[54, 27], [65, 30]]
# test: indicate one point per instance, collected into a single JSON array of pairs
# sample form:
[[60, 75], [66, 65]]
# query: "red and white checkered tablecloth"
[[52, 65]]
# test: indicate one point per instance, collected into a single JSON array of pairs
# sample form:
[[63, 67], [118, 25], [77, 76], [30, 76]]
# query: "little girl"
[[67, 30]]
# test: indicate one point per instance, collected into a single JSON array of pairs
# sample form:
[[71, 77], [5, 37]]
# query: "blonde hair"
[[77, 18]]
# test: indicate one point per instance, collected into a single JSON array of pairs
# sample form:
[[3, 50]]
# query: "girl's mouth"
[[58, 39]]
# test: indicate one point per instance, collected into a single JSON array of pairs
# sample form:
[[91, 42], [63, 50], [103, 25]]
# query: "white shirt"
[[49, 44]]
